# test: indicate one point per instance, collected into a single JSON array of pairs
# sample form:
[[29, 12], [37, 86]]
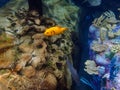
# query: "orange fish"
[[54, 30]]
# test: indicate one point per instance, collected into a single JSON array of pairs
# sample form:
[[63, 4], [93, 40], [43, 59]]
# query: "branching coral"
[[106, 54], [105, 19]]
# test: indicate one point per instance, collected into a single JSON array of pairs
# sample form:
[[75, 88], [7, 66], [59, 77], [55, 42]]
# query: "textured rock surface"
[[31, 60]]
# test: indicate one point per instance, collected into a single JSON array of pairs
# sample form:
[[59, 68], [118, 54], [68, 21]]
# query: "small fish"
[[54, 30]]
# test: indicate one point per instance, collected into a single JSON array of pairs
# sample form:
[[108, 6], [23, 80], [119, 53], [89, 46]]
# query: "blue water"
[[3, 2]]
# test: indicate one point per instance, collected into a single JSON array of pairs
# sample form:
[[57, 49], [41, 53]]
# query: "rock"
[[48, 22], [34, 13], [28, 71], [3, 87], [38, 60], [58, 74], [55, 38], [24, 59], [40, 28], [7, 58], [48, 81], [37, 21], [23, 30], [26, 47]]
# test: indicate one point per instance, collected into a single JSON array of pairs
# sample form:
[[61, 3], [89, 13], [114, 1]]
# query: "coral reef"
[[91, 67], [115, 48], [107, 19], [104, 61], [31, 60], [98, 48]]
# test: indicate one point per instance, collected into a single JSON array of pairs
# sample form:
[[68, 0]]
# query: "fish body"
[[54, 31]]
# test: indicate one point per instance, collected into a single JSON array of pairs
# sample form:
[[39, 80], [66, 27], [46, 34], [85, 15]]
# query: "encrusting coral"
[[91, 67], [34, 61], [99, 47], [115, 48]]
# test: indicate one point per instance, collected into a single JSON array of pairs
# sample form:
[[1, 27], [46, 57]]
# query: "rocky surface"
[[30, 60]]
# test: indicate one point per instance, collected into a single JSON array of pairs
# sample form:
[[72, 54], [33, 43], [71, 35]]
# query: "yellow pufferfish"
[[54, 30]]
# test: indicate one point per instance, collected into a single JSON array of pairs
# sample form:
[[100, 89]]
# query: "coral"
[[100, 59], [116, 82], [115, 48], [105, 52], [105, 27], [103, 34], [114, 71], [99, 47], [111, 34], [106, 18], [115, 41], [91, 67]]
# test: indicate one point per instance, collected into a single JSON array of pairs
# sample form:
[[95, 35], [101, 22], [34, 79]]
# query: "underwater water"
[[59, 45]]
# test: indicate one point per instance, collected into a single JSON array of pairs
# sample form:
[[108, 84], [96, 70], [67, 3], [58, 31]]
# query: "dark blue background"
[[3, 2]]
